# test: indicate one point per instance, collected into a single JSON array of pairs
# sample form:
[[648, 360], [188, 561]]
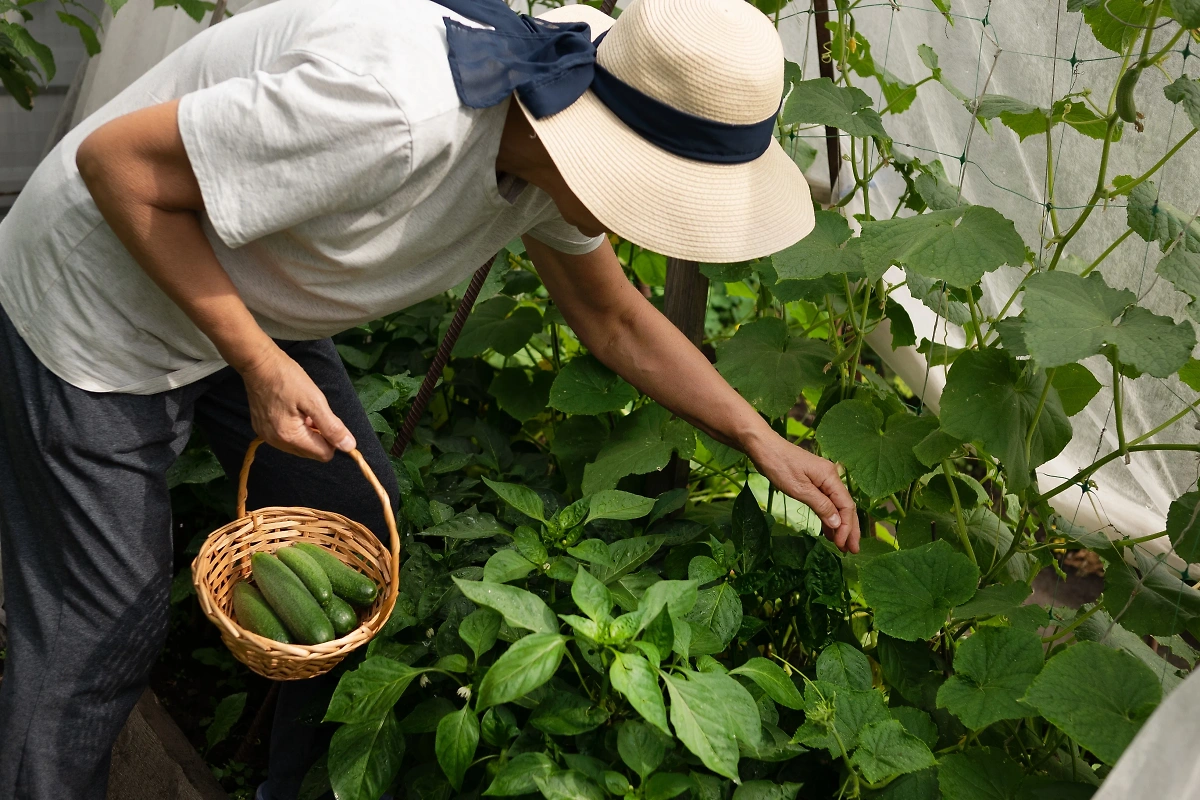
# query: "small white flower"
[[424, 681], [464, 692], [429, 634]]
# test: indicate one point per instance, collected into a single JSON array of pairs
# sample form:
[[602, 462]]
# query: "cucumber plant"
[[566, 628]]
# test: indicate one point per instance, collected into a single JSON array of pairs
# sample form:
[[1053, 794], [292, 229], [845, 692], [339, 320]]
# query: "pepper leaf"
[[529, 663]]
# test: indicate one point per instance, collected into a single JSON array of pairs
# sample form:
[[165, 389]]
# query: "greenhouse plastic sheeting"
[[1027, 47]]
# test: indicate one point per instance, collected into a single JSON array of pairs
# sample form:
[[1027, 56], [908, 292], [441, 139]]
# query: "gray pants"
[[85, 530]]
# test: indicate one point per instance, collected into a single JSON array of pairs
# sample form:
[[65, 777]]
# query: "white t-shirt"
[[343, 180]]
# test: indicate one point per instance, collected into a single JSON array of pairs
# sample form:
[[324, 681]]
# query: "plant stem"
[[1000, 315], [1097, 195], [1018, 535], [850, 311], [1037, 414], [1167, 47], [1126, 188], [1082, 618], [862, 335], [1139, 540], [975, 319], [1154, 9], [899, 506], [948, 471], [1050, 181], [1166, 424], [1106, 253], [1133, 448], [582, 682], [1122, 447]]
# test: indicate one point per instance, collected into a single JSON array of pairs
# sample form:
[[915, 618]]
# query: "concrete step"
[[153, 760]]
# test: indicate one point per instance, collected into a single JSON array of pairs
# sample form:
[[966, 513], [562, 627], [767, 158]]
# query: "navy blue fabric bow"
[[550, 65]]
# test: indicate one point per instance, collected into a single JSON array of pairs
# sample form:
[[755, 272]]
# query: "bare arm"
[[630, 336], [140, 177]]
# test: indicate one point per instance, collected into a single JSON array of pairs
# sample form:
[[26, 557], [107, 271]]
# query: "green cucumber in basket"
[[342, 616], [255, 614], [291, 600], [308, 571], [348, 584]]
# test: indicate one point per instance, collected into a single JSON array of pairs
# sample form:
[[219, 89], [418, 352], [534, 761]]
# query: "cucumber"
[[255, 615], [290, 599], [1126, 107], [348, 584], [306, 570], [342, 616]]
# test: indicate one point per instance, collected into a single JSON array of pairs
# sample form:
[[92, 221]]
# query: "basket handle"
[[369, 474]]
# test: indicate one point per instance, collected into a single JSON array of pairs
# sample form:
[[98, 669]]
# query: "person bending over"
[[183, 256]]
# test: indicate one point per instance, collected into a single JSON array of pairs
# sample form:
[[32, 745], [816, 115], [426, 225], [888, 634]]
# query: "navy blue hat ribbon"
[[551, 64]]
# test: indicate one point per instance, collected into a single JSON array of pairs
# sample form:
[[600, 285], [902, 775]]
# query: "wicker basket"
[[224, 560]]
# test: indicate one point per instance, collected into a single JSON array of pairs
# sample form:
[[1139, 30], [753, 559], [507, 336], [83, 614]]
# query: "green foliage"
[[992, 670], [1097, 696], [993, 399], [912, 591], [878, 454], [820, 101], [957, 245], [1068, 318], [566, 627], [769, 367]]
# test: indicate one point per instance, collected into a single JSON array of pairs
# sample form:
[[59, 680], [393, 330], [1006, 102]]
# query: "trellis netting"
[[1038, 52]]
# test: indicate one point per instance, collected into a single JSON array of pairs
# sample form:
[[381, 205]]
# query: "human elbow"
[[90, 159]]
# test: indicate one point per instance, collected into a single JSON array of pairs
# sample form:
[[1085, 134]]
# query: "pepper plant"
[[567, 628]]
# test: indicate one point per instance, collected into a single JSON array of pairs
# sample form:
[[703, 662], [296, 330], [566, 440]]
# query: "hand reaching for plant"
[[813, 481]]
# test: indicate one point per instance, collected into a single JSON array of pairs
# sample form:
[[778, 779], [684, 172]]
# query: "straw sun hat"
[[720, 60]]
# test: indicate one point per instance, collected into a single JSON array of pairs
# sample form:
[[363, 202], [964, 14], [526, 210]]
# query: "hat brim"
[[672, 205]]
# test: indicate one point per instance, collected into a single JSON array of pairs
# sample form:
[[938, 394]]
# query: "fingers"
[[305, 442], [329, 427], [818, 500], [845, 532], [291, 413]]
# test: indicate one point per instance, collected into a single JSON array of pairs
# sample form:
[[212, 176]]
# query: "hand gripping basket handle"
[[380, 492]]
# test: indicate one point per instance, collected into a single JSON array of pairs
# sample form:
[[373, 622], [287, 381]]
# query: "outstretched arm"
[[633, 339]]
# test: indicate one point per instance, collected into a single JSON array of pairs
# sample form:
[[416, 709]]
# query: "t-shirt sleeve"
[[302, 139], [564, 237]]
